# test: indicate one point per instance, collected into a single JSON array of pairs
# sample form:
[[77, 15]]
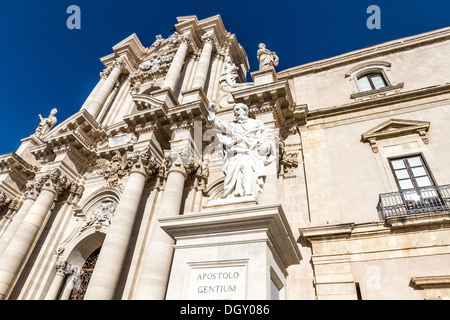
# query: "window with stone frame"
[[414, 180], [411, 172], [371, 81]]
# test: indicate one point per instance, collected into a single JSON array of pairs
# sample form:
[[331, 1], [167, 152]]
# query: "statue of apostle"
[[248, 147], [266, 57]]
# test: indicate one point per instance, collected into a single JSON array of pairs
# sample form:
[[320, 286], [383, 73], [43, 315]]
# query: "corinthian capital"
[[106, 72], [54, 181], [119, 63], [186, 39], [209, 37], [142, 160], [180, 160], [61, 268]]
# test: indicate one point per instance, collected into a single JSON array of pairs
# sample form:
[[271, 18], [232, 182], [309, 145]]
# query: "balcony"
[[414, 201]]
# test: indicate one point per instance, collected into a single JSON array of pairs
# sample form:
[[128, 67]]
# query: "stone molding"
[[435, 287], [396, 128], [19, 169], [378, 93], [372, 241], [234, 221], [333, 116]]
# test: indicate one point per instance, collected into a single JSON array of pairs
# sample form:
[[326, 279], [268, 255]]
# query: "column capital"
[[61, 268], [186, 39], [142, 161], [105, 73], [55, 181], [180, 160], [119, 63], [209, 37]]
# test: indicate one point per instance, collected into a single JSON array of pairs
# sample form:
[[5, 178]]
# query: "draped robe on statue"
[[248, 147]]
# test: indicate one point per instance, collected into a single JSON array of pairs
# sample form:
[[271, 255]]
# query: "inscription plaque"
[[218, 283]]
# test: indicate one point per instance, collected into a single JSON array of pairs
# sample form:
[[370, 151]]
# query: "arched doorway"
[[80, 289]]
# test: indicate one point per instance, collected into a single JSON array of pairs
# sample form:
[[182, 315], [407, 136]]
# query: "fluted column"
[[109, 265], [201, 72], [19, 247], [177, 64], [105, 89], [154, 277]]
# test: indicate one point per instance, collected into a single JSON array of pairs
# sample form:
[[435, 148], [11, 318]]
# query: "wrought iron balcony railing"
[[412, 201]]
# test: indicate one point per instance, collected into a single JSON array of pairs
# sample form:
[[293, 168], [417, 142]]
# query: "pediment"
[[396, 127]]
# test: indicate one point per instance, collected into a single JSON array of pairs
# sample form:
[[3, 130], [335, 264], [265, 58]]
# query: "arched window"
[[371, 81]]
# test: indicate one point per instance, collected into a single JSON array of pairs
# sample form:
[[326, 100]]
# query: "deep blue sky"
[[46, 65]]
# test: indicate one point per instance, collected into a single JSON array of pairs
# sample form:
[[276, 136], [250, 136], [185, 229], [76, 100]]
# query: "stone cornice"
[[412, 222], [272, 97], [382, 101], [368, 53], [14, 162], [431, 281], [77, 135], [263, 93], [196, 28], [131, 48], [88, 128], [66, 142]]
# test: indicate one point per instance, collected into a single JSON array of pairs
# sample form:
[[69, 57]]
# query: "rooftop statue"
[[266, 58], [46, 124]]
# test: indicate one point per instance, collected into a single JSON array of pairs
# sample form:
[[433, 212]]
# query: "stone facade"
[[122, 200]]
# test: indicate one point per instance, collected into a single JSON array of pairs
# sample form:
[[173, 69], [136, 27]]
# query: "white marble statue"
[[46, 124], [248, 147], [266, 58]]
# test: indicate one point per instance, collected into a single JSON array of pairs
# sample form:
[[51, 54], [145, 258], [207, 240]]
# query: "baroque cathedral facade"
[[333, 185]]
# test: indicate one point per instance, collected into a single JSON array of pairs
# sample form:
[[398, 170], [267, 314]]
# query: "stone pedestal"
[[264, 76], [231, 253]]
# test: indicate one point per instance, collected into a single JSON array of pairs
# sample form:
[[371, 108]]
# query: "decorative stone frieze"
[[118, 166], [102, 215]]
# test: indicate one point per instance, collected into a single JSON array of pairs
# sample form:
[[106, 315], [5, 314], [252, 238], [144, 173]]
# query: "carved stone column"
[[105, 89], [153, 281], [201, 72], [109, 265], [71, 282], [58, 281], [177, 64], [32, 189], [19, 247]]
